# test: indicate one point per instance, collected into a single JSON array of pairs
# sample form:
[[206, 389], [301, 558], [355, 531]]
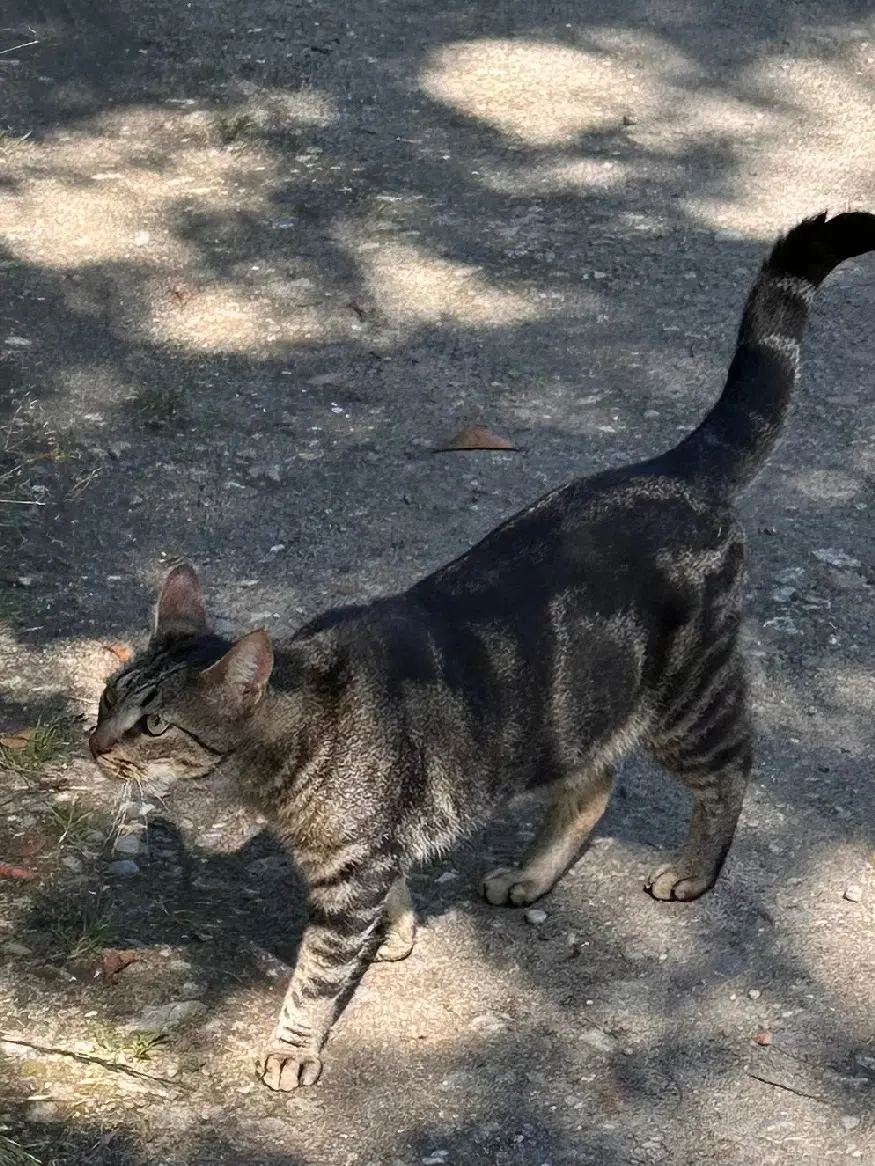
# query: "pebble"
[[128, 844], [854, 893], [789, 575], [836, 558], [17, 342], [15, 948], [164, 1017], [536, 915], [447, 877], [754, 993], [487, 1022], [123, 866], [597, 1039], [72, 863], [784, 594], [782, 623], [850, 1121], [118, 449]]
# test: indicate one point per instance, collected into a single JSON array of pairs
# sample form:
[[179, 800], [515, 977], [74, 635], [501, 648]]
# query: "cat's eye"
[[155, 725]]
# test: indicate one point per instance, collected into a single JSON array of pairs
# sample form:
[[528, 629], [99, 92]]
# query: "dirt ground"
[[258, 260]]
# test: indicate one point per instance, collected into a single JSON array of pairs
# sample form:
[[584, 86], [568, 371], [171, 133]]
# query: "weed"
[[41, 745], [72, 821], [161, 407], [10, 141], [11, 1154], [133, 1045], [231, 126], [80, 929]]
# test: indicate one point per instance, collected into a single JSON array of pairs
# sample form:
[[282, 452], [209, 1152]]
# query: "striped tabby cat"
[[603, 618]]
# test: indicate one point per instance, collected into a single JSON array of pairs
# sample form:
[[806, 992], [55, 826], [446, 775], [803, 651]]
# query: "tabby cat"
[[603, 618]]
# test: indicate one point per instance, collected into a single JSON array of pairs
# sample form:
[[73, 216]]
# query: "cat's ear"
[[239, 679], [181, 610]]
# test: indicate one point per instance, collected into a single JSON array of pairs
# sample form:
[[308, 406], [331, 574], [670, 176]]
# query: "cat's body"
[[603, 618]]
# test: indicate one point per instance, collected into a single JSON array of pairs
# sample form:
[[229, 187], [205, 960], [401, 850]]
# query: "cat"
[[603, 618]]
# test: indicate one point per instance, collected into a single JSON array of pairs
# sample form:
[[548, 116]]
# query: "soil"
[[259, 262]]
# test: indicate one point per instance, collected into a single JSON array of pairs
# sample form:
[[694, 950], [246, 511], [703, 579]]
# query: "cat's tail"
[[736, 437]]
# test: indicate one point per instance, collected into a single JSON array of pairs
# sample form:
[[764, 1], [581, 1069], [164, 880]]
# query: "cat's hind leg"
[[577, 801], [707, 744]]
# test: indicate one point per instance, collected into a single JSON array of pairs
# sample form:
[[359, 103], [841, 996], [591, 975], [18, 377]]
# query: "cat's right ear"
[[181, 610], [237, 681]]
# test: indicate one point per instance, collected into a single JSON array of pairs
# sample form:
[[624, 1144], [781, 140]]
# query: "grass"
[[11, 1154], [231, 126], [159, 408], [71, 821], [80, 928], [41, 745], [10, 141], [135, 1046]]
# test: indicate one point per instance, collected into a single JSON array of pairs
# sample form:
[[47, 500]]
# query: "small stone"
[[191, 990], [850, 1122], [447, 877], [536, 916], [277, 548], [782, 623], [94, 836], [164, 1017], [141, 239], [784, 594], [118, 449], [754, 993], [854, 893], [651, 414], [836, 558], [435, 1158], [597, 1039], [15, 948], [123, 866], [128, 844], [72, 863], [789, 575], [17, 342], [487, 1022]]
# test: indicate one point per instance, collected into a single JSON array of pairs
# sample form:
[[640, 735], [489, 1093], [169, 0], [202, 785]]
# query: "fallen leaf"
[[113, 960], [17, 739], [16, 872], [181, 294], [121, 651], [762, 1037], [477, 437]]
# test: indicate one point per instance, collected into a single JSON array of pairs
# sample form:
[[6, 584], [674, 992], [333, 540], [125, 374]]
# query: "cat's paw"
[[282, 1067], [396, 946], [669, 884], [508, 886]]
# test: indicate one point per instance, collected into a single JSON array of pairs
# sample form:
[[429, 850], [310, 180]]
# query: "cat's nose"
[[99, 743]]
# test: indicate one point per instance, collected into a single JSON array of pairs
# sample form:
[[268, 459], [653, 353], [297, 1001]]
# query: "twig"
[[88, 1059], [24, 44], [20, 502], [787, 1088]]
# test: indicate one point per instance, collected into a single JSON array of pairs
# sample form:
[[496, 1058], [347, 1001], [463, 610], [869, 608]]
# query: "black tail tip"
[[818, 244]]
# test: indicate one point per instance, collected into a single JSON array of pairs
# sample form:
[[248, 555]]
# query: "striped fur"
[[602, 619]]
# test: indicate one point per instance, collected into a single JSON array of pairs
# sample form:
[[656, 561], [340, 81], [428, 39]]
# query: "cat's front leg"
[[344, 920]]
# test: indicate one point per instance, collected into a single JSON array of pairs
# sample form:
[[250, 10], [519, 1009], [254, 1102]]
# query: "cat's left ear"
[[239, 679], [181, 610]]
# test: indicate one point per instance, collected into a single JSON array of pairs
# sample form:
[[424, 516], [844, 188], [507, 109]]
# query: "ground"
[[259, 260]]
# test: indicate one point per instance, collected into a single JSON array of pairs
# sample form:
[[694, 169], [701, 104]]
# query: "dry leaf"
[[16, 872], [478, 437], [113, 960], [121, 651], [18, 739]]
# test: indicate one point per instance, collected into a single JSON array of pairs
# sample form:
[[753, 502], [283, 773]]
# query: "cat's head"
[[182, 704]]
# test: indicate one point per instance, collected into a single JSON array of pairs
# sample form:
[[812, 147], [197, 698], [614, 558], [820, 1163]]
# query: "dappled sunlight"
[[535, 92], [413, 288], [548, 97]]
